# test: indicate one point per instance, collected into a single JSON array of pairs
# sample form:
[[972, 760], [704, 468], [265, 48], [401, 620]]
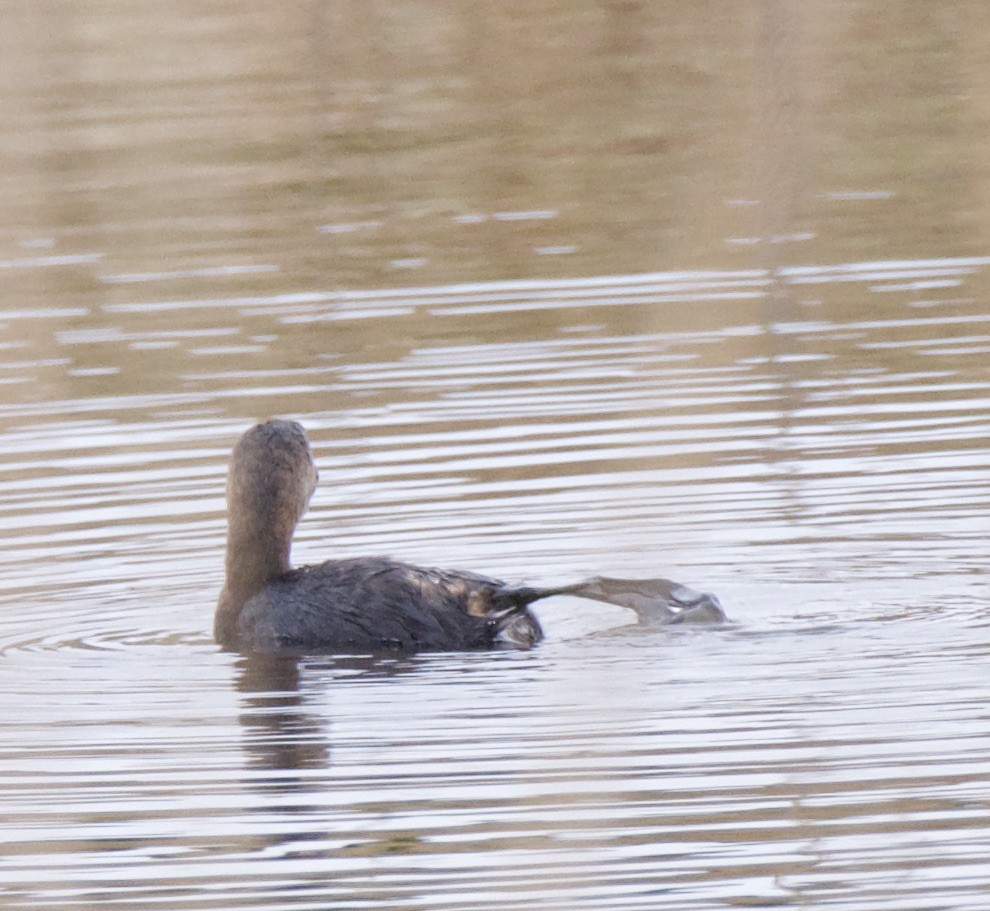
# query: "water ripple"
[[826, 475]]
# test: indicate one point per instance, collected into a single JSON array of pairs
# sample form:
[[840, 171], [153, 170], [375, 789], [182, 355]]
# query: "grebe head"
[[271, 479], [269, 484]]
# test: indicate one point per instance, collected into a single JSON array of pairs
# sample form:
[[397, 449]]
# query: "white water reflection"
[[843, 505]]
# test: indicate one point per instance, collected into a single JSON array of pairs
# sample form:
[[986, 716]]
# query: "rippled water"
[[547, 374]]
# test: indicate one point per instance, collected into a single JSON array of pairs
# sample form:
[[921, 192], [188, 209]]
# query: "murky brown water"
[[557, 289]]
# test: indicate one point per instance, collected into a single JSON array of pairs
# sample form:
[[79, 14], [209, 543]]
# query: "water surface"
[[560, 290]]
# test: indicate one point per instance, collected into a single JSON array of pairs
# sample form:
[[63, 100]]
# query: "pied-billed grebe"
[[371, 604]]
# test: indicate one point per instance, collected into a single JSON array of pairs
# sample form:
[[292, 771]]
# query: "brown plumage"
[[372, 604]]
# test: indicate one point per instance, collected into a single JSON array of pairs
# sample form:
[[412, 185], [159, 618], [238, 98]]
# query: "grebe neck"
[[256, 556]]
